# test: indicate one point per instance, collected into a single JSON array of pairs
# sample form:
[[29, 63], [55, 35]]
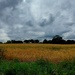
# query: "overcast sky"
[[36, 19]]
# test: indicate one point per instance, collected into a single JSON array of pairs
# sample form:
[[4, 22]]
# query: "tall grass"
[[1, 54], [39, 67]]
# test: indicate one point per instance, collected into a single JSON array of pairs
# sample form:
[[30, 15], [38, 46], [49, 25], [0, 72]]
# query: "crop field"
[[32, 52], [38, 59]]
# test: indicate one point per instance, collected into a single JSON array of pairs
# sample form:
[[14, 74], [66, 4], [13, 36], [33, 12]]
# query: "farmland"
[[37, 59], [32, 52]]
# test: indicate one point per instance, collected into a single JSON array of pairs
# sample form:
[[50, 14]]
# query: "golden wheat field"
[[32, 52]]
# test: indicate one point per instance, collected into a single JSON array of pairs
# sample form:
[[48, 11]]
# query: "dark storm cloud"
[[48, 21], [29, 23], [8, 3], [36, 19]]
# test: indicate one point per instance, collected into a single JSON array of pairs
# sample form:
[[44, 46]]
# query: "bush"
[[1, 54]]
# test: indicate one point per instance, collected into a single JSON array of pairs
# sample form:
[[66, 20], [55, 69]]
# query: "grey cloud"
[[29, 23], [37, 19], [8, 3], [48, 21]]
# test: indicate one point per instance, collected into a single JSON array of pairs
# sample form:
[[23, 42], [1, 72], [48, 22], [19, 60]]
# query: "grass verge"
[[39, 67]]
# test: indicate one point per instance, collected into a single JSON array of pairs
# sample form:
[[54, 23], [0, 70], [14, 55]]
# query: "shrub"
[[1, 54]]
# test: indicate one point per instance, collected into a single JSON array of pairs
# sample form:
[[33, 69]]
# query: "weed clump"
[[1, 54]]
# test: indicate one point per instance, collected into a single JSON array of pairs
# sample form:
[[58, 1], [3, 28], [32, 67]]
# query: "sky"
[[36, 19]]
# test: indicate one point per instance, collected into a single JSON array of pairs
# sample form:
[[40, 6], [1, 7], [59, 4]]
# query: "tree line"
[[57, 39]]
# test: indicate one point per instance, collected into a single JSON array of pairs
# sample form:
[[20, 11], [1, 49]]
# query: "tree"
[[57, 39], [0, 42], [45, 41], [8, 42], [26, 41], [36, 41], [31, 41]]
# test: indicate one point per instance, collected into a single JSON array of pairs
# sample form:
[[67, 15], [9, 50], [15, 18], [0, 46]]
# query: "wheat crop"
[[33, 52]]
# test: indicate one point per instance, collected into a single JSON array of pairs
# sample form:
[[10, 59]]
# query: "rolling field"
[[32, 52]]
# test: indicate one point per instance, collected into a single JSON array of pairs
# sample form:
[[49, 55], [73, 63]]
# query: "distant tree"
[[19, 41], [12, 41], [26, 41], [0, 42], [57, 39], [49, 41], [70, 41], [45, 41], [31, 41], [8, 42], [36, 41]]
